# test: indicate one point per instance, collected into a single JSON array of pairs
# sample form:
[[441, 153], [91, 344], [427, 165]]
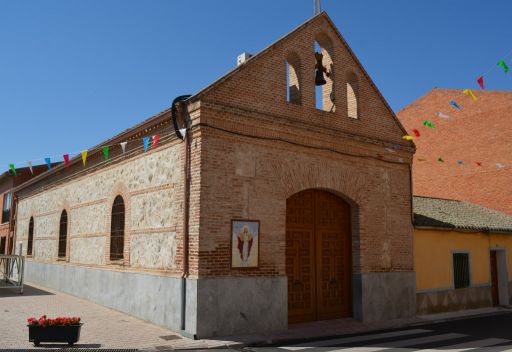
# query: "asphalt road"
[[489, 333]]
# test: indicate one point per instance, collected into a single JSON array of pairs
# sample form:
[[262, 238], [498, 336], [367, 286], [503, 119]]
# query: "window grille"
[[461, 270], [30, 236], [117, 229], [6, 209], [63, 234]]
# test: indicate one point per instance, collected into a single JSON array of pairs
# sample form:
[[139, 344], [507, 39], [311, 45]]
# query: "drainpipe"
[[183, 135]]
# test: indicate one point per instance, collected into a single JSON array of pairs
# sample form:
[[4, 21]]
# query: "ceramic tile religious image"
[[245, 243]]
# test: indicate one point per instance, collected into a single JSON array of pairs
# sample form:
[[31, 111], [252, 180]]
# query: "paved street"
[[492, 333], [103, 327]]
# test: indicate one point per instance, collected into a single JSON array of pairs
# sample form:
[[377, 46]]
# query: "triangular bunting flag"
[[123, 146], [500, 165], [29, 163], [13, 169], [460, 162], [156, 137], [183, 132], [440, 160], [480, 81], [48, 163], [470, 93], [84, 156], [428, 124], [407, 138], [504, 65], [145, 140], [105, 152], [416, 132], [478, 163], [455, 105], [66, 160], [441, 115]]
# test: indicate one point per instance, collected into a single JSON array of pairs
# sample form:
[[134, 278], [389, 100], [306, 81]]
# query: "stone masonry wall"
[[151, 186]]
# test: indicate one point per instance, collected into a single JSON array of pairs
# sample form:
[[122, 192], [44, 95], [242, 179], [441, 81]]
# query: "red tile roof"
[[481, 133]]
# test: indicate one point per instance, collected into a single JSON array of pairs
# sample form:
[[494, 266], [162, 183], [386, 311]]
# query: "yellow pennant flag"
[[407, 138], [84, 156], [470, 93]]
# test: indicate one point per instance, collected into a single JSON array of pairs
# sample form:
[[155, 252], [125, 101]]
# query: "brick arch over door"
[[318, 256]]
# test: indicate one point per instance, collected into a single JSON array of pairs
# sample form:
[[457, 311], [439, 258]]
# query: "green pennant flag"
[[105, 152], [503, 64], [428, 124], [13, 169]]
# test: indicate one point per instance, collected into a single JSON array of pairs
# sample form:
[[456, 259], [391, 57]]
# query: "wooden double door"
[[318, 257]]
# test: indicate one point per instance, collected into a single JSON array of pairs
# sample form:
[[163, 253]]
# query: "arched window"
[[30, 236], [117, 229], [352, 96], [293, 79], [324, 93], [63, 234]]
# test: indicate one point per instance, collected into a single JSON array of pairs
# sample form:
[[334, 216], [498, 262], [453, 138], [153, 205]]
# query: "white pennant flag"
[[500, 165], [441, 115], [123, 146], [29, 163], [183, 131]]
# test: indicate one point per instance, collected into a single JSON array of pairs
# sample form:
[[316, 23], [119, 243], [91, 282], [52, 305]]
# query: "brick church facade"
[[151, 233]]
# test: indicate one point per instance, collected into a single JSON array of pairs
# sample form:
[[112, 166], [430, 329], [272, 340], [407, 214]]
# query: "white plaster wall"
[[87, 250], [150, 184], [157, 250]]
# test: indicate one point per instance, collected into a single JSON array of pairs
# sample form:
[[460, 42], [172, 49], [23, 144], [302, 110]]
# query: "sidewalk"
[[107, 328]]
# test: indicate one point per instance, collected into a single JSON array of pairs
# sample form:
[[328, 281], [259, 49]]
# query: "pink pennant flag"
[[480, 81], [66, 159], [156, 137]]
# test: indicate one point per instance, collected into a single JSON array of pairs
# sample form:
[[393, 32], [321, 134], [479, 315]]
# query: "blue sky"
[[74, 73]]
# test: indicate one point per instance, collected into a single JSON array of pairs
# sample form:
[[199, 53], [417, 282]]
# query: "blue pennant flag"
[[455, 105], [145, 140], [48, 162]]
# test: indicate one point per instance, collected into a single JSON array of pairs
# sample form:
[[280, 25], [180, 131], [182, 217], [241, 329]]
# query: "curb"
[[290, 341]]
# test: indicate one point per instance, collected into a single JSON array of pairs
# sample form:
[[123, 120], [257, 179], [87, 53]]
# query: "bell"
[[319, 77], [319, 70]]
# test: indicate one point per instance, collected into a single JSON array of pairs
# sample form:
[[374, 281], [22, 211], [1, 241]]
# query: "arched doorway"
[[318, 256]]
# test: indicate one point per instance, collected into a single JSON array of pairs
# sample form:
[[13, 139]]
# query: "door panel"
[[318, 261], [494, 279]]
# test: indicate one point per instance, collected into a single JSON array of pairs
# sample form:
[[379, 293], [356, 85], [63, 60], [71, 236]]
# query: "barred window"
[[63, 234], [117, 229], [6, 209], [30, 236], [461, 270]]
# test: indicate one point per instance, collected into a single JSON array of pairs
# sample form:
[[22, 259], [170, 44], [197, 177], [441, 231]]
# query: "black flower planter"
[[56, 333]]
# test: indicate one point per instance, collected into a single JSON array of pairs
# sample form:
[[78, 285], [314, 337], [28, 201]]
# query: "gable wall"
[[260, 85]]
